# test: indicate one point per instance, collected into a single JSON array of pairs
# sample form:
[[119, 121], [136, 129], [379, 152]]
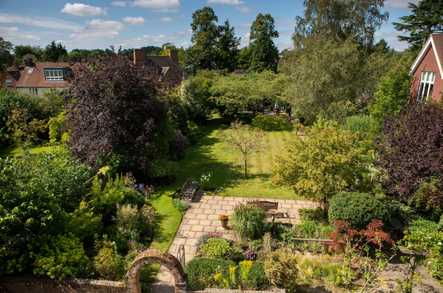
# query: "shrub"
[[425, 236], [108, 263], [57, 128], [312, 229], [271, 122], [62, 257], [357, 209], [36, 194], [84, 223], [178, 145], [317, 214], [135, 224], [364, 125], [326, 161], [280, 267], [249, 221], [410, 153], [180, 205], [128, 121], [216, 248], [421, 200], [200, 272], [252, 275]]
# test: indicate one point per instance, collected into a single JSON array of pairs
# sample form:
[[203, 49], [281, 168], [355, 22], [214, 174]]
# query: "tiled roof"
[[34, 77]]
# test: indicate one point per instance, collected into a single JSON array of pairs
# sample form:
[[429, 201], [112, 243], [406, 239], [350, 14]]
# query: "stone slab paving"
[[202, 218]]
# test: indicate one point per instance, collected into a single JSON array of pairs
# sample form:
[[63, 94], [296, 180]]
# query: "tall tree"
[[116, 117], [55, 52], [5, 53], [204, 40], [20, 51], [426, 18], [340, 20], [264, 53], [227, 47]]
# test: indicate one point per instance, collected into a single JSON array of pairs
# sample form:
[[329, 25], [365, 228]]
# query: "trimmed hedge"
[[271, 122], [200, 272], [357, 209]]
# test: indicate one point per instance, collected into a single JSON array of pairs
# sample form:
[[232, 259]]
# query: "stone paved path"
[[202, 218]]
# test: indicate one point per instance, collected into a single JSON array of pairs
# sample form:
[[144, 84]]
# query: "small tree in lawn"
[[246, 140]]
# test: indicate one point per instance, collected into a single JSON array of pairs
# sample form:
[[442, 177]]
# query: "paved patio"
[[202, 218]]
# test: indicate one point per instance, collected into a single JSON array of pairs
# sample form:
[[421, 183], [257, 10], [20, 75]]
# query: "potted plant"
[[224, 219]]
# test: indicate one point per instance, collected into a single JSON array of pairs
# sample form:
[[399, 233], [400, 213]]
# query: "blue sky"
[[135, 23]]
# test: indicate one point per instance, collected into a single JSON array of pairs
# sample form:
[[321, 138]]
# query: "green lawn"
[[214, 155]]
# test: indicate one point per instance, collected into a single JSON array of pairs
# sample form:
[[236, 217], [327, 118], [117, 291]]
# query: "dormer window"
[[426, 85], [54, 73]]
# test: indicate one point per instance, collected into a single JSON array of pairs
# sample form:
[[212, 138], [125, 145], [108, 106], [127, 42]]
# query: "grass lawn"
[[214, 155], [168, 220]]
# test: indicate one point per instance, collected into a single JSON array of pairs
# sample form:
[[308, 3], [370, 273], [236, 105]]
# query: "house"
[[168, 70], [427, 71], [38, 78]]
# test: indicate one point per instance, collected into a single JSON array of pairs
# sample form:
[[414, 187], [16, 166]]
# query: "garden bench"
[[270, 209], [188, 191]]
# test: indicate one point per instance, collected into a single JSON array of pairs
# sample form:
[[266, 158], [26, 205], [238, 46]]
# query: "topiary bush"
[[248, 221], [271, 122], [108, 263], [216, 248], [357, 209], [200, 272], [280, 267]]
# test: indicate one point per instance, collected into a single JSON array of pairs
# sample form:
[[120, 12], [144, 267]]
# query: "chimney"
[[172, 53], [138, 57]]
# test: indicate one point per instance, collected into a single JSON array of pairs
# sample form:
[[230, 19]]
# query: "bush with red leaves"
[[373, 236], [411, 153]]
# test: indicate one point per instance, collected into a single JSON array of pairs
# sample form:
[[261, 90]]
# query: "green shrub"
[[62, 257], [362, 124], [216, 248], [252, 275], [108, 263], [200, 272], [271, 122], [57, 128], [424, 236], [357, 209], [180, 205], [249, 221], [311, 229], [135, 224], [281, 269], [317, 215]]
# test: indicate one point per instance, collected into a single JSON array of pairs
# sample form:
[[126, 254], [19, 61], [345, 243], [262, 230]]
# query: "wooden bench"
[[270, 208], [188, 191]]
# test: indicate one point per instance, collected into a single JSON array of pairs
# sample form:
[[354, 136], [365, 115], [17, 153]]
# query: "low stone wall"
[[41, 285]]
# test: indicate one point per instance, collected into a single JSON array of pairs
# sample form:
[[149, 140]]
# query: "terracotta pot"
[[224, 219]]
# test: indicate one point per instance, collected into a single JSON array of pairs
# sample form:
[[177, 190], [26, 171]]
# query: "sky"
[[89, 24]]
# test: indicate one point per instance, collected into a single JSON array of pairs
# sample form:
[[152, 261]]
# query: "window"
[[426, 85], [53, 73], [33, 91]]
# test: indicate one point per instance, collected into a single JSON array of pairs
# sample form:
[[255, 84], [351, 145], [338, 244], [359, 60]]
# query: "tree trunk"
[[245, 160]]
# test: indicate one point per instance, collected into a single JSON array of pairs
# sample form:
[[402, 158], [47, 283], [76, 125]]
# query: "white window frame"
[[54, 74], [427, 80]]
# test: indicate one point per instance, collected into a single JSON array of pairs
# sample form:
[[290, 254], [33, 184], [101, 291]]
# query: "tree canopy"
[[116, 117], [340, 20], [425, 19], [264, 53]]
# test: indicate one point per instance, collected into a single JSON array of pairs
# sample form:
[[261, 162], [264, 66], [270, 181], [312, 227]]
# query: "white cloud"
[[166, 19], [402, 4], [119, 3], [134, 20], [50, 23], [97, 28], [157, 4], [226, 2], [80, 9], [14, 35], [239, 4]]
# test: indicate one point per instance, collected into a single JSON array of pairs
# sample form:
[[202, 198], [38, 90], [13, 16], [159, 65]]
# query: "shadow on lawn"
[[199, 160]]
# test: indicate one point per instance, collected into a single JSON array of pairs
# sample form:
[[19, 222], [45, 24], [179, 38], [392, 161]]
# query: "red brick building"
[[427, 71]]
